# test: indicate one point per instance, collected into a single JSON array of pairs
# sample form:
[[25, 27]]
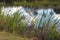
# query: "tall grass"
[[42, 29], [46, 27], [11, 23]]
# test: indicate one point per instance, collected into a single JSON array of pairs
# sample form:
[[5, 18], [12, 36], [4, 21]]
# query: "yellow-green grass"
[[35, 3]]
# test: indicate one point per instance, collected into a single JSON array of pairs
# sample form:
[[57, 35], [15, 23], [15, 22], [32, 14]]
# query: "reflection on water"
[[29, 13]]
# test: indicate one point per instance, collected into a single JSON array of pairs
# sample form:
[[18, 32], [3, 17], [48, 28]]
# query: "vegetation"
[[46, 30], [39, 3], [10, 36]]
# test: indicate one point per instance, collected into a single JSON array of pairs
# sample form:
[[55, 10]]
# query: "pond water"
[[30, 13]]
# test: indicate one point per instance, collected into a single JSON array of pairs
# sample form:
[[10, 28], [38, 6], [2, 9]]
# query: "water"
[[29, 13]]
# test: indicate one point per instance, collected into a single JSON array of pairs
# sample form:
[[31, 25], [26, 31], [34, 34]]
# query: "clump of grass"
[[11, 23], [46, 28]]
